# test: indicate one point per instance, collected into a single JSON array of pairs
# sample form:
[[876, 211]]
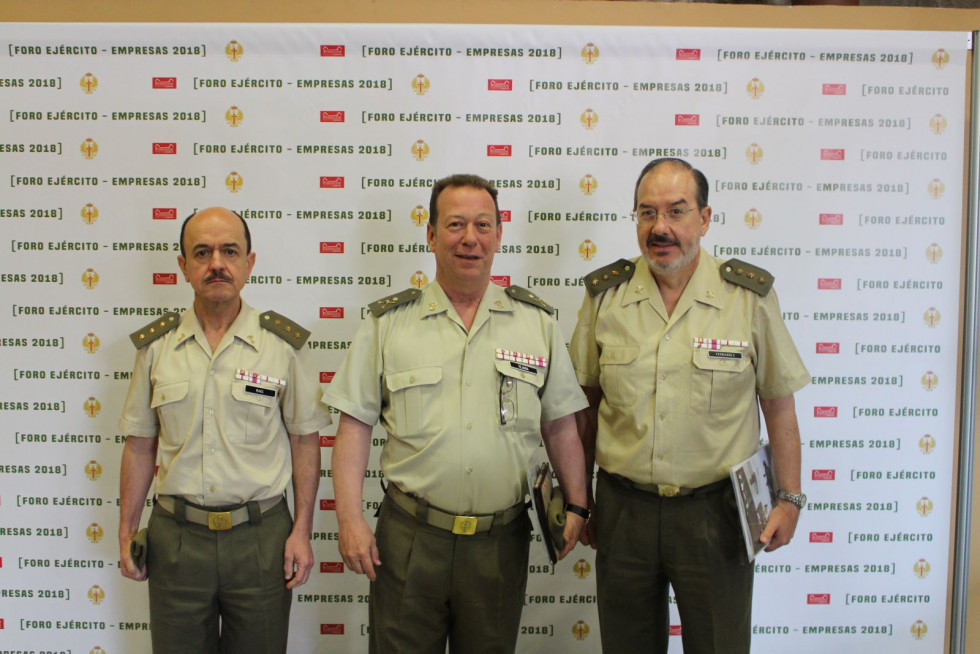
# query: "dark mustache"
[[220, 276], [658, 239]]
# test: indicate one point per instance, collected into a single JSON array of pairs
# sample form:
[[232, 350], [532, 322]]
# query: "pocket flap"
[[613, 355], [401, 380], [721, 360], [167, 393], [255, 393], [526, 373]]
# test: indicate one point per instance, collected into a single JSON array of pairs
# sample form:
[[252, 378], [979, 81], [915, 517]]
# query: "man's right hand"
[[358, 548], [126, 565], [587, 536]]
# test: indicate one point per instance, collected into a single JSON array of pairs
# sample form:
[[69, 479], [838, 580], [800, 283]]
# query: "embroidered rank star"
[[716, 343], [255, 378], [520, 357]]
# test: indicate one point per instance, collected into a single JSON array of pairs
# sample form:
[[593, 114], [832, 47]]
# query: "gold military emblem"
[[590, 53], [420, 150], [934, 253], [420, 215], [234, 51], [918, 629], [938, 124], [91, 343], [588, 184], [931, 317], [89, 149], [96, 650], [419, 279], [96, 595], [936, 189], [92, 407], [921, 568], [90, 279], [930, 380], [587, 250], [581, 569], [580, 630], [94, 533], [234, 116], [924, 506], [89, 213], [940, 59], [234, 182], [755, 88], [589, 118], [752, 218], [753, 153], [93, 470], [420, 84], [89, 83], [927, 444]]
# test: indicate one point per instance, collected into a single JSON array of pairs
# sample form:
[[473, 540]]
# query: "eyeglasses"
[[506, 399], [648, 216]]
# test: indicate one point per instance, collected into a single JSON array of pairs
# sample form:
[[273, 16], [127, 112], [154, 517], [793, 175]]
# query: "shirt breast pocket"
[[518, 398], [256, 402], [617, 374], [168, 401], [719, 380], [415, 404]]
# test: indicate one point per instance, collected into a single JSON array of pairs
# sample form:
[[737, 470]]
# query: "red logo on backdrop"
[[675, 630], [505, 216], [333, 51], [823, 475], [331, 116], [326, 377], [334, 181], [164, 148], [331, 247], [331, 630], [832, 154], [331, 566], [831, 219], [687, 54], [829, 284], [331, 312], [1, 623], [499, 150], [500, 85], [327, 441], [687, 119], [818, 598], [328, 505], [169, 213], [166, 279], [821, 537], [828, 348], [835, 89], [824, 412], [500, 280], [164, 82]]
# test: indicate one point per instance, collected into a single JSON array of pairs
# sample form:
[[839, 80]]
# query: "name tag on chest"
[[718, 354], [523, 368], [258, 390]]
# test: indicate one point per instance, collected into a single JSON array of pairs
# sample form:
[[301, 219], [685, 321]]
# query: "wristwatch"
[[799, 499], [584, 513]]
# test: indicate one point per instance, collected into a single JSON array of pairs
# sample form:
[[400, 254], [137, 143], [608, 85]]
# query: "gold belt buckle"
[[219, 521], [668, 490], [464, 525]]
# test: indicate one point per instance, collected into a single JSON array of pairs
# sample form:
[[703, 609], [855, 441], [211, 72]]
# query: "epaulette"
[[284, 328], [151, 332], [747, 276], [608, 276], [385, 304], [526, 296]]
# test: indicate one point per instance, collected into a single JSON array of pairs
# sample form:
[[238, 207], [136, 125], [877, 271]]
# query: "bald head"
[[213, 211]]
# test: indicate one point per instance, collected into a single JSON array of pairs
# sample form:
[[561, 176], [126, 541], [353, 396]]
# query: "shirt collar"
[[704, 285], [245, 328], [434, 300]]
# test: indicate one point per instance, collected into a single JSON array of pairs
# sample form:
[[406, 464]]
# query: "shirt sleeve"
[[561, 394], [584, 349], [779, 369], [303, 411], [356, 388], [137, 418]]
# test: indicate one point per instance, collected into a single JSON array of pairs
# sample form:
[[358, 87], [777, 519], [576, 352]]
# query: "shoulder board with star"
[[608, 276], [151, 332], [526, 296], [747, 276], [385, 304], [284, 328]]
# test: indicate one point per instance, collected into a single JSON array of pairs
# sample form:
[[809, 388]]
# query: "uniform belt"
[[219, 518], [462, 525], [667, 490]]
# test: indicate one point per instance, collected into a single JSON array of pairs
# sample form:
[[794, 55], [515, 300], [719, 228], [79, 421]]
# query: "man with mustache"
[[467, 379], [222, 397], [677, 351]]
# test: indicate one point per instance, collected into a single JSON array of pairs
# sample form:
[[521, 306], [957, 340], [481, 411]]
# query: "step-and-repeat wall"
[[835, 160]]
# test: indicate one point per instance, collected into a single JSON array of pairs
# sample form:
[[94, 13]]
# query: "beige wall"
[[529, 11]]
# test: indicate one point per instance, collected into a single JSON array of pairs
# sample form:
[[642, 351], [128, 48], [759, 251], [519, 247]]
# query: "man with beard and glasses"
[[223, 399], [677, 351]]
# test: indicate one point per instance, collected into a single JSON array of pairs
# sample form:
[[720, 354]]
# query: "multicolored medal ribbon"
[[521, 357], [255, 378]]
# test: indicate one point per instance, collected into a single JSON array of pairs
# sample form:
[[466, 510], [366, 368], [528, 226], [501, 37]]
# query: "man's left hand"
[[573, 528], [298, 560], [781, 526]]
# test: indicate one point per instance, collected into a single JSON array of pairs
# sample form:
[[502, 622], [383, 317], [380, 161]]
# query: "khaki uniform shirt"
[[437, 391], [673, 413], [222, 440]]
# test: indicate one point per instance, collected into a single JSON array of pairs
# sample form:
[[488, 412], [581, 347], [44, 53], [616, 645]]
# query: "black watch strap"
[[580, 511]]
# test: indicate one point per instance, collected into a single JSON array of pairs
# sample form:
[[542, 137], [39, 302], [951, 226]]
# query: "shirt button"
[[660, 457], [469, 425], [212, 450], [211, 372], [212, 489], [469, 383], [663, 376], [667, 337], [210, 412], [411, 380], [469, 471], [661, 416]]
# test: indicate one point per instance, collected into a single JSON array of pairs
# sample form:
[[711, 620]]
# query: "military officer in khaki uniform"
[[223, 399], [466, 378], [676, 352]]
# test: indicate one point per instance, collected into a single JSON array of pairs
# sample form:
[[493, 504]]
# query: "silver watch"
[[799, 499]]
